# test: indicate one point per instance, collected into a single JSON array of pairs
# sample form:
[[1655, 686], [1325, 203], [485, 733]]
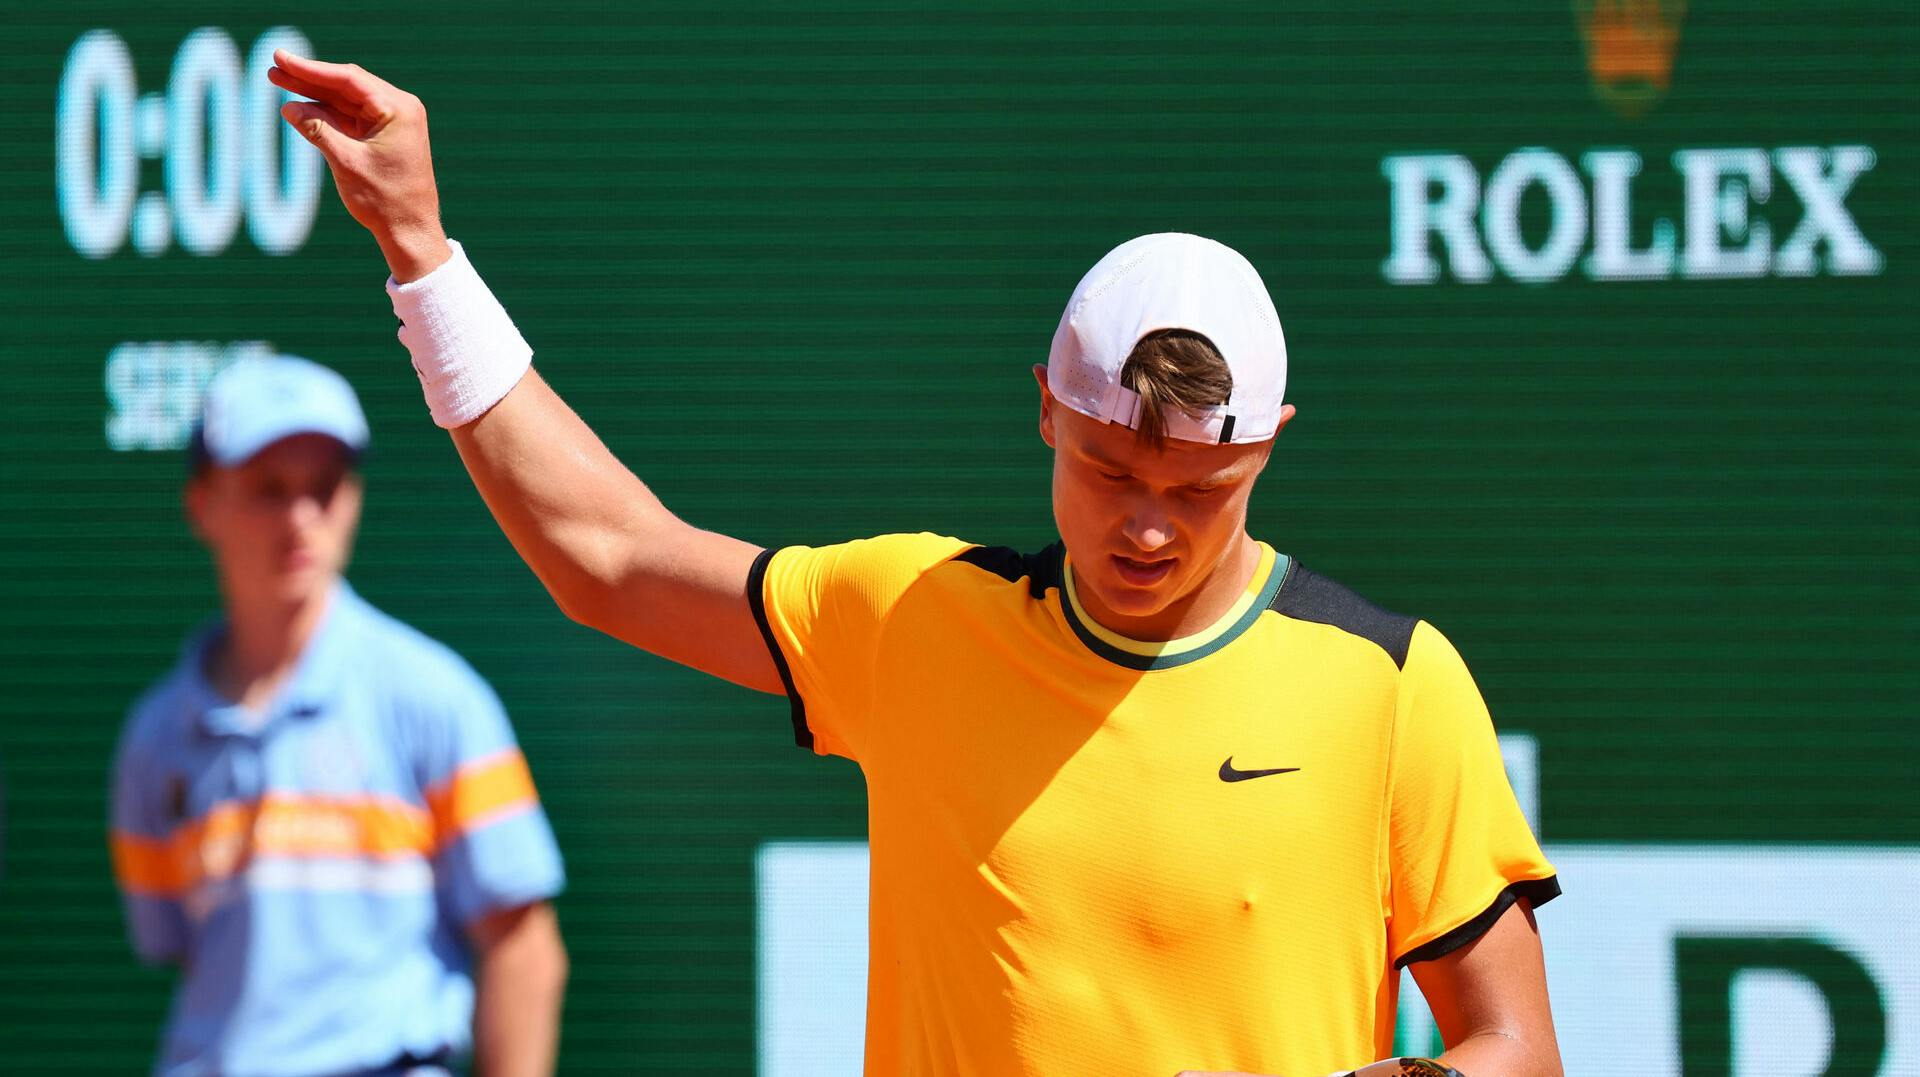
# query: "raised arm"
[[609, 552]]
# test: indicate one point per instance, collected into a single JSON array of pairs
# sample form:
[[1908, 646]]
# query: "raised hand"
[[374, 137]]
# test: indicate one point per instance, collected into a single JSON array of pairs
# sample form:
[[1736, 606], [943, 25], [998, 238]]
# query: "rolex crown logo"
[[1630, 47]]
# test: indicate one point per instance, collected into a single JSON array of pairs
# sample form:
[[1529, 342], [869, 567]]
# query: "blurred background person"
[[319, 814]]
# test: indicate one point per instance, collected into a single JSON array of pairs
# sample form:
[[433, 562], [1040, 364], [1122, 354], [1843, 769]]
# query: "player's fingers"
[[346, 119], [372, 110], [292, 83], [348, 87], [330, 132]]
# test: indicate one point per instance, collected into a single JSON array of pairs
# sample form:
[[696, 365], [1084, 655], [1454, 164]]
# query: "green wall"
[[793, 264]]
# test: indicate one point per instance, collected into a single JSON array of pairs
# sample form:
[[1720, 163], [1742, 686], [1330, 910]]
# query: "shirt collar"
[[308, 687], [1267, 578]]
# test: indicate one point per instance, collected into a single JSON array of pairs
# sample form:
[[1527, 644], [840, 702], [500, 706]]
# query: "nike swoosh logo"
[[1229, 774]]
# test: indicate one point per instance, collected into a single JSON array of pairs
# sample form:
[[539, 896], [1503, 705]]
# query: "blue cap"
[[259, 400]]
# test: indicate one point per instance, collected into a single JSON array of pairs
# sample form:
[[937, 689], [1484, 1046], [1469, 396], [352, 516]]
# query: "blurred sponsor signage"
[[1450, 223], [1630, 48]]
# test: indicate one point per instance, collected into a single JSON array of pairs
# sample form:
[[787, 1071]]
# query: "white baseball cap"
[[259, 400], [1172, 280]]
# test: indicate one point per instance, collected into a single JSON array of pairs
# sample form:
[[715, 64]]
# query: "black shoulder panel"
[[1309, 596], [1040, 570]]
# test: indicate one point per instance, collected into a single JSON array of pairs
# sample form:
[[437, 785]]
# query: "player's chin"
[[301, 582], [1131, 595]]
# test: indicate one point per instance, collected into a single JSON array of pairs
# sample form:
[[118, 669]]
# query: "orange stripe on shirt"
[[147, 866], [480, 792], [222, 842]]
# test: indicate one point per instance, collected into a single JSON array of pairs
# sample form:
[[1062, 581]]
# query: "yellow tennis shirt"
[[1092, 855]]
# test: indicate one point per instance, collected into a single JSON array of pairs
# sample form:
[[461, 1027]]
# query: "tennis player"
[[1156, 799], [320, 815]]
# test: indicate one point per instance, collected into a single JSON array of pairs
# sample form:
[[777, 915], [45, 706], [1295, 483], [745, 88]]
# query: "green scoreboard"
[[1603, 322]]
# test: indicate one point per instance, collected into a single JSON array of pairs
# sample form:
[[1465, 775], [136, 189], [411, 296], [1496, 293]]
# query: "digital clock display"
[[216, 127]]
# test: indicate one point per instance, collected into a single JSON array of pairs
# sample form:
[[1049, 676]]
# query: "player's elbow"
[[581, 602], [602, 575], [585, 587], [594, 604]]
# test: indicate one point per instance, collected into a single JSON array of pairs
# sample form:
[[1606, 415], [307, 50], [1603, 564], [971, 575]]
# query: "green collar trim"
[[1276, 577]]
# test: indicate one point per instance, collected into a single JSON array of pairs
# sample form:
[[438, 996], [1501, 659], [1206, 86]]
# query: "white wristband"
[[465, 349]]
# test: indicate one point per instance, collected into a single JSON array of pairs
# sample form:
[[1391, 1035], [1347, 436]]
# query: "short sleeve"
[[823, 611], [494, 848], [149, 874], [1460, 852]]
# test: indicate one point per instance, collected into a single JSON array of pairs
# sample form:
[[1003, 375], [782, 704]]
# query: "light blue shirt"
[[313, 867]]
